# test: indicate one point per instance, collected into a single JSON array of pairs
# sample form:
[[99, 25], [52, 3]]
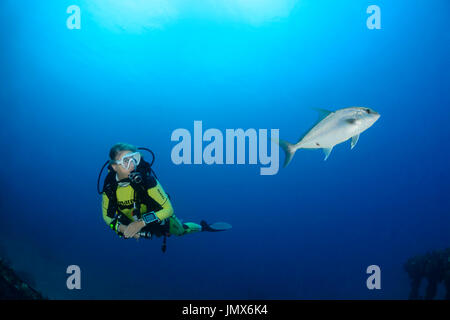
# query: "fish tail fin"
[[289, 150]]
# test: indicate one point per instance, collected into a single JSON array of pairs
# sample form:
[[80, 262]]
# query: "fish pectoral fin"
[[327, 152], [351, 120], [354, 141]]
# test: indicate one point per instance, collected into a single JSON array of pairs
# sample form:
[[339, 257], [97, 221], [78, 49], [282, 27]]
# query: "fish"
[[333, 127]]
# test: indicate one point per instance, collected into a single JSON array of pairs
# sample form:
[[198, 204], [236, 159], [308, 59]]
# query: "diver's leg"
[[176, 227]]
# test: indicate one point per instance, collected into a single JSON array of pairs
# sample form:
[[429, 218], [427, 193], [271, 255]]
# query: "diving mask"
[[126, 160]]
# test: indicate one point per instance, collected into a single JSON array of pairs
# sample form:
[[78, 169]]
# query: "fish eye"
[[367, 110]]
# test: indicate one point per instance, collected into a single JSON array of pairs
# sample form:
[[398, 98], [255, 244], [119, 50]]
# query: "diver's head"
[[124, 159]]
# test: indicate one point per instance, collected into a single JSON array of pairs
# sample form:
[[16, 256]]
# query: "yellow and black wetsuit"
[[125, 201]]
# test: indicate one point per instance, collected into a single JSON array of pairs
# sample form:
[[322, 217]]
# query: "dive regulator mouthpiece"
[[136, 177]]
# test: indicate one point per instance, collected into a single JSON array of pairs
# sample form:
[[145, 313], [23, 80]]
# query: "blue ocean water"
[[135, 74]]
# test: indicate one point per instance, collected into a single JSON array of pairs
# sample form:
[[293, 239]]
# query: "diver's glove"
[[150, 218]]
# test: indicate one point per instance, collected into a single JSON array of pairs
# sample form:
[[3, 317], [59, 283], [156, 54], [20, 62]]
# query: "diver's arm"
[[160, 196], [156, 193], [105, 203], [117, 227]]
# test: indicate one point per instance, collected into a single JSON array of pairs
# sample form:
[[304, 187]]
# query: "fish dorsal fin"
[[327, 152], [323, 113], [354, 141]]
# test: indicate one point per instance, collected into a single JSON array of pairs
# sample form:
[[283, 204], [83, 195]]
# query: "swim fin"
[[218, 226]]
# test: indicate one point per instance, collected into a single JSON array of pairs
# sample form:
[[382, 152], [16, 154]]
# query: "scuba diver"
[[433, 266], [135, 204]]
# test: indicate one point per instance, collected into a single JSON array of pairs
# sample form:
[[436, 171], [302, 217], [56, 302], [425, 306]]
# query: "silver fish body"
[[333, 128]]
